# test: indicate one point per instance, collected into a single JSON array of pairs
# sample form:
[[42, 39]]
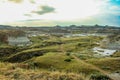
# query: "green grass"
[[56, 62], [51, 46], [76, 45], [50, 54], [108, 64], [30, 53], [5, 46], [116, 54]]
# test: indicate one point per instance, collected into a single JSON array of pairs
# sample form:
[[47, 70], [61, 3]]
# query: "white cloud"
[[65, 10], [115, 8]]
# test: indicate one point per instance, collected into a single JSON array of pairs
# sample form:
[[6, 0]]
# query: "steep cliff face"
[[4, 34], [111, 42], [19, 41]]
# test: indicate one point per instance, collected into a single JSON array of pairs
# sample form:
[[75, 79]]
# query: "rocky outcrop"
[[111, 42]]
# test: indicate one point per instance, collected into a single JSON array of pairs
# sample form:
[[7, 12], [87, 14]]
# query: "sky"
[[59, 12]]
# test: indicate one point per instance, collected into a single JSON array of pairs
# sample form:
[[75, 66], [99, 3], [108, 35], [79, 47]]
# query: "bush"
[[68, 60], [99, 77], [68, 53]]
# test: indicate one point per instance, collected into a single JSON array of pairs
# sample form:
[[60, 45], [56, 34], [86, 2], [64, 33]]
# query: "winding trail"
[[102, 71]]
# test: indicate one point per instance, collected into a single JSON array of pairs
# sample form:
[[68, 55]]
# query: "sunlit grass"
[[108, 64]]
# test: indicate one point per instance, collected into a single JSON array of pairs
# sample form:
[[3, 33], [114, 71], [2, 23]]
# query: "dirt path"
[[102, 71]]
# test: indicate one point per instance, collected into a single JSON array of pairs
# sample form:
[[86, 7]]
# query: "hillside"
[[57, 58]]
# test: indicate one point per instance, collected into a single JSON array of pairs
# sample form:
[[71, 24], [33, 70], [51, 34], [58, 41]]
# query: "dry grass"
[[9, 73]]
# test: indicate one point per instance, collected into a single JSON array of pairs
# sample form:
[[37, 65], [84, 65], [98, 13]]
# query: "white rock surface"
[[103, 52]]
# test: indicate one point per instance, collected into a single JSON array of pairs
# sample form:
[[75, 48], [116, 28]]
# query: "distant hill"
[[4, 27], [66, 29]]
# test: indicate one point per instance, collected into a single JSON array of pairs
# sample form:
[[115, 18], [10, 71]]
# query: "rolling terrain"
[[56, 57]]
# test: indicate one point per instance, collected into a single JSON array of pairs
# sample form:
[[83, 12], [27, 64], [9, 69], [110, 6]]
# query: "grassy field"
[[108, 64], [57, 58]]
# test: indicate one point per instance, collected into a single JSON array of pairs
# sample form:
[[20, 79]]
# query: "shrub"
[[99, 77], [68, 53], [68, 60]]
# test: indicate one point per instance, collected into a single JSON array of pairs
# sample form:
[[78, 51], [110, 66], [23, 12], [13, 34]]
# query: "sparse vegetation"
[[99, 77], [116, 54], [108, 64], [56, 58]]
